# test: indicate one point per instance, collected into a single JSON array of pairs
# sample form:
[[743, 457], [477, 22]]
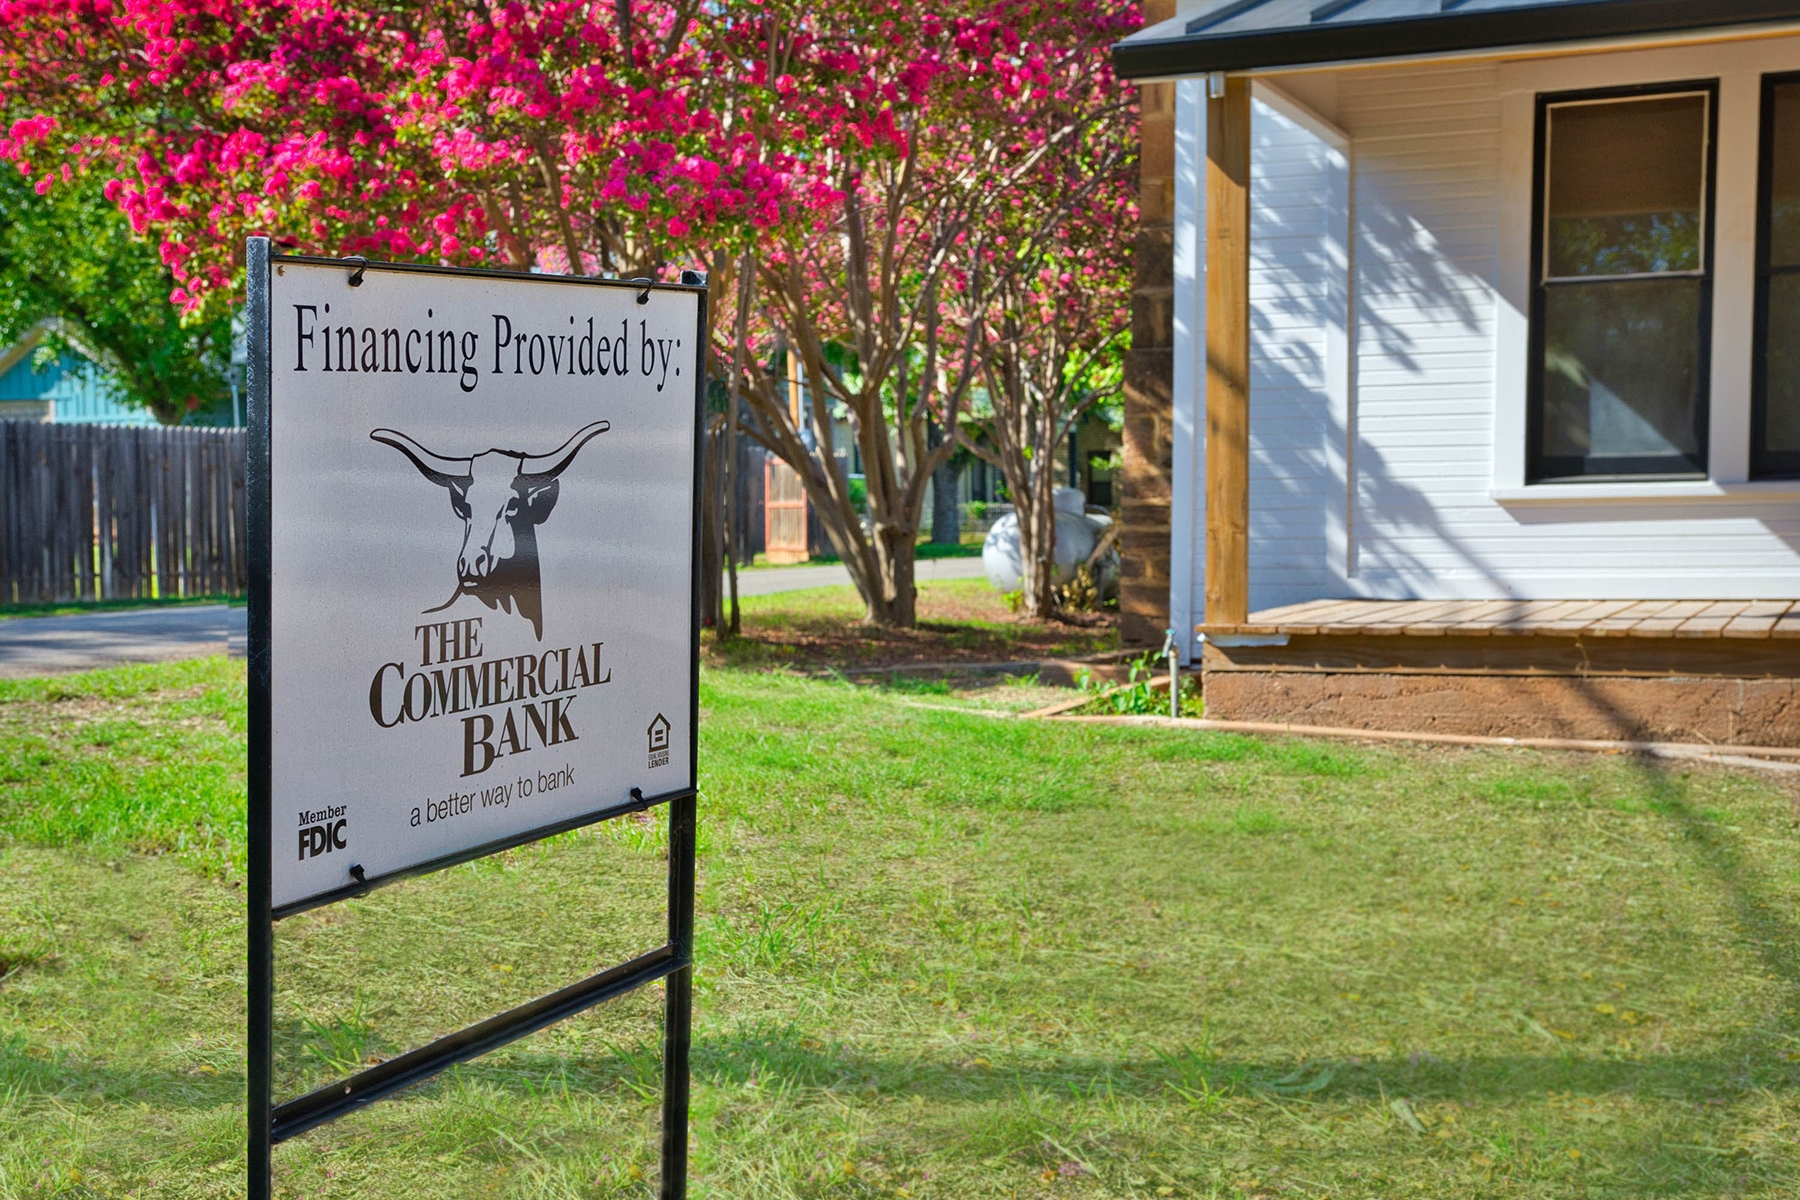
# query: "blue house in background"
[[71, 391]]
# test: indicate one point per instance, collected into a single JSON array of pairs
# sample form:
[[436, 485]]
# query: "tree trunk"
[[1024, 450], [712, 526], [889, 418], [881, 565], [731, 486], [1036, 509], [734, 481], [898, 607]]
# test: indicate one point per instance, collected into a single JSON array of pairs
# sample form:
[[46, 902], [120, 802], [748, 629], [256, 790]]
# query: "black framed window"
[[1621, 313], [1775, 389], [1101, 464]]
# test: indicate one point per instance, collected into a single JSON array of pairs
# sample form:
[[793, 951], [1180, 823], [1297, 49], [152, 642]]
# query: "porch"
[[1719, 671]]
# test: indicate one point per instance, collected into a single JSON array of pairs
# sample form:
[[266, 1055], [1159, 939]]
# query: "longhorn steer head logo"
[[502, 497]]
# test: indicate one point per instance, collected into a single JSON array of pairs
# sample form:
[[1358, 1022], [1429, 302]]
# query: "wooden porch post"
[[1228, 354]]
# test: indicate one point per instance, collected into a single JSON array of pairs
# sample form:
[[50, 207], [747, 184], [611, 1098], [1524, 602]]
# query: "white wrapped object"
[[1106, 571], [1075, 538]]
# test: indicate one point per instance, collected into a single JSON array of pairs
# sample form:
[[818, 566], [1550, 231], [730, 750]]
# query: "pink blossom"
[[472, 133]]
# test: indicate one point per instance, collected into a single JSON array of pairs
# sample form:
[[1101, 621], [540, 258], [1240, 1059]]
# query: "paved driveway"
[[766, 581], [84, 641]]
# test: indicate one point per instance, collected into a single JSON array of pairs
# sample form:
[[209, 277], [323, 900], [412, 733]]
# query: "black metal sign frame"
[[271, 1123]]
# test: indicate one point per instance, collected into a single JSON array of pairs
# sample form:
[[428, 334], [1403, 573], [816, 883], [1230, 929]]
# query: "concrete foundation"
[[1723, 711]]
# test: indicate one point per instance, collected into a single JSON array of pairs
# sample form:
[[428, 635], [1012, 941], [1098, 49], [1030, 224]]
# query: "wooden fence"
[[90, 512]]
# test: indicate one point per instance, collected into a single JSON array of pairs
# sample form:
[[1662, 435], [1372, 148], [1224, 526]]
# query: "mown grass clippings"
[[944, 955]]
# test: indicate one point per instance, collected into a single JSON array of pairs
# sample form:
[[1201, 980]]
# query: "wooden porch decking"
[[1748, 619], [1719, 671]]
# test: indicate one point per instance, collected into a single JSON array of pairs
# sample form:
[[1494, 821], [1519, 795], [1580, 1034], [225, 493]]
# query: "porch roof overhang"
[[1256, 35]]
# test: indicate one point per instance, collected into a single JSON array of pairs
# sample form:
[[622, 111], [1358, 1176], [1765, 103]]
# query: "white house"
[[1483, 362]]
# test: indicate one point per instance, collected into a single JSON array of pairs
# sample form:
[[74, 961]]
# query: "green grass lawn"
[[941, 954]]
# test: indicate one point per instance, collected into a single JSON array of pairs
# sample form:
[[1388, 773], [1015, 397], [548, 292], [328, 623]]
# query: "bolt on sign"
[[473, 624]]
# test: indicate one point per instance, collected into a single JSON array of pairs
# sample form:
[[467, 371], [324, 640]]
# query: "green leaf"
[[1400, 1108]]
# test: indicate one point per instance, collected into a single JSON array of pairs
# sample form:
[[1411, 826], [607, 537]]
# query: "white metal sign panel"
[[481, 561]]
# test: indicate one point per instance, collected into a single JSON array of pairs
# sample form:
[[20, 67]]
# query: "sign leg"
[[679, 1009], [679, 1004], [257, 1076]]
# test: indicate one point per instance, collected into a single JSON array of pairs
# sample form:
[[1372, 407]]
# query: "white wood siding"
[[1297, 190], [1299, 199], [1425, 522], [1398, 491], [1427, 225]]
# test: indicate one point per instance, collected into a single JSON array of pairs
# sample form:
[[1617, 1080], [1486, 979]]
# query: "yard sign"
[[473, 531]]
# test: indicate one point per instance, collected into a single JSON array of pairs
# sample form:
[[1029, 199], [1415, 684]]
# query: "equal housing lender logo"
[[659, 741]]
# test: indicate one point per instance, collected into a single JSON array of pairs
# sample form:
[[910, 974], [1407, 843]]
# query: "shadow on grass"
[[783, 1055], [958, 620], [793, 1061], [1767, 928], [1771, 931], [75, 1081]]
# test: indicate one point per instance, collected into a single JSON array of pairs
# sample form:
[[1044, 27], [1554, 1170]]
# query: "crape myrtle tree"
[[861, 151], [565, 137], [931, 133], [561, 136], [1055, 338]]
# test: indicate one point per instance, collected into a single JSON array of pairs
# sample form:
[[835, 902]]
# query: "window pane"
[[1626, 183], [1781, 429], [1621, 376], [1784, 178]]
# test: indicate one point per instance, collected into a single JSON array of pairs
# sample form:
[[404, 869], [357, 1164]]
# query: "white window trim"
[[1651, 491], [1739, 68]]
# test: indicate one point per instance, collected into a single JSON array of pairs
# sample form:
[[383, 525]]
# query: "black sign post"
[[271, 1122]]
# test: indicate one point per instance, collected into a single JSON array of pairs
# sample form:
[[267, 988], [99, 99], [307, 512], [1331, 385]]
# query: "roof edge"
[[1444, 33], [28, 341]]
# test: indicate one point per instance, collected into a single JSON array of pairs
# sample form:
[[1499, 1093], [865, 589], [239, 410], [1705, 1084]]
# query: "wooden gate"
[[784, 513], [90, 512]]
